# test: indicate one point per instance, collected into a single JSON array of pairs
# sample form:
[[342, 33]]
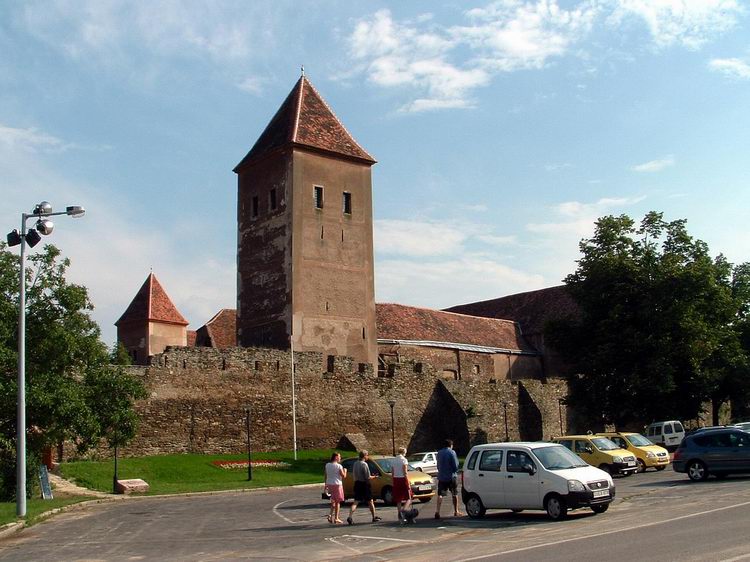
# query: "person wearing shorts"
[[362, 487], [447, 463], [401, 485], [335, 474]]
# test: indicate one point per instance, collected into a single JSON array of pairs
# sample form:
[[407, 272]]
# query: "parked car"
[[520, 476], [646, 453], [424, 462], [601, 452], [382, 487], [714, 451], [668, 434], [744, 426]]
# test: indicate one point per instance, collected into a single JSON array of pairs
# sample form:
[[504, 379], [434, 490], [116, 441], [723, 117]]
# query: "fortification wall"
[[197, 399]]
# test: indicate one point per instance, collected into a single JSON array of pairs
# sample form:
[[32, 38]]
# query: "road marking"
[[604, 533], [276, 511], [740, 557], [381, 538]]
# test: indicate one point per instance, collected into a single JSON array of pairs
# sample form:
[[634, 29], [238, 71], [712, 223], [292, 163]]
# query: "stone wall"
[[197, 399]]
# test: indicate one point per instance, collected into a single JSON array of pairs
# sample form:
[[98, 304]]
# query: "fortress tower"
[[304, 241]]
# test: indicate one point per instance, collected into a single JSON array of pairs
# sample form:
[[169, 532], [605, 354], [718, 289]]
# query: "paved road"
[[660, 516]]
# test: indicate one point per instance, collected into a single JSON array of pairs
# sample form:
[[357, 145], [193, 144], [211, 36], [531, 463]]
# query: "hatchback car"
[[519, 476], [647, 454], [666, 433], [382, 487], [714, 451], [424, 462], [601, 452]]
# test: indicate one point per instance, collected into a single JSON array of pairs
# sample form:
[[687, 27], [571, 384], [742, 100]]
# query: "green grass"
[[34, 508], [174, 474]]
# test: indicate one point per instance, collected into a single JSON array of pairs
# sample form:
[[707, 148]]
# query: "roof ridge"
[[299, 108], [448, 312]]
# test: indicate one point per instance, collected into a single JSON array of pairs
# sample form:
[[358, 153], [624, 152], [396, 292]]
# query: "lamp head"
[[75, 211], [14, 238], [45, 226], [32, 238], [43, 208]]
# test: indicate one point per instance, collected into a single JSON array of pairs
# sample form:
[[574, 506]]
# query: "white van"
[[666, 433], [520, 476]]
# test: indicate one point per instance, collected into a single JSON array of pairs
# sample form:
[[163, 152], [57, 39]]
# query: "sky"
[[502, 131]]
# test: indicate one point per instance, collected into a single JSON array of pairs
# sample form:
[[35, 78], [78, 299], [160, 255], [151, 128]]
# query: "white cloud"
[[579, 218], [252, 85], [734, 67], [655, 165], [33, 140], [690, 23], [417, 238], [496, 240]]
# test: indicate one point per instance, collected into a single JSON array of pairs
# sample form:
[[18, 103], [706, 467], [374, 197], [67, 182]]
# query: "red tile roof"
[[219, 332], [151, 303], [399, 322], [531, 309], [305, 120]]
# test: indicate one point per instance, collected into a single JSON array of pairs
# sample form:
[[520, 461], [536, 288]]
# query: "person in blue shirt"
[[447, 465]]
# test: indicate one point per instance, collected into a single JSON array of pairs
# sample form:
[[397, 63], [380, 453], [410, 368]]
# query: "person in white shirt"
[[401, 485], [335, 474]]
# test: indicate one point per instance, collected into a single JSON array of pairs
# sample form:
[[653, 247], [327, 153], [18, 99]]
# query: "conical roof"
[[306, 120], [152, 303]]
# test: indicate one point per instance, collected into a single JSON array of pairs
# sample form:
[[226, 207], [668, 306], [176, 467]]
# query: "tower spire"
[[302, 69]]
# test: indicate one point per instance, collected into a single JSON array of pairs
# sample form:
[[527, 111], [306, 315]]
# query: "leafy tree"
[[65, 361], [657, 331]]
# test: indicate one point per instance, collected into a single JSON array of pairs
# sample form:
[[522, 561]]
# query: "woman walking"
[[401, 486], [335, 474]]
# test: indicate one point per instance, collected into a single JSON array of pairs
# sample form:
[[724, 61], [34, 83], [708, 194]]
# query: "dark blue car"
[[719, 452]]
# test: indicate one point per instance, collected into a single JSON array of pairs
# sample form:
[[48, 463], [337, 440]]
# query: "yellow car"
[[648, 454], [382, 486], [600, 452]]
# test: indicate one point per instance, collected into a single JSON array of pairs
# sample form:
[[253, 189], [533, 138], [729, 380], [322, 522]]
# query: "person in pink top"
[[335, 474]]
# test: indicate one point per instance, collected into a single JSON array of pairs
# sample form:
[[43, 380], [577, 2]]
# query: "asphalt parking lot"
[[656, 515]]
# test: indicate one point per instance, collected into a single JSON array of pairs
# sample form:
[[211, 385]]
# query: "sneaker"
[[349, 520]]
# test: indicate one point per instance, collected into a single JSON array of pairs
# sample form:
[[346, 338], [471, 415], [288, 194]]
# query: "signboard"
[[44, 480]]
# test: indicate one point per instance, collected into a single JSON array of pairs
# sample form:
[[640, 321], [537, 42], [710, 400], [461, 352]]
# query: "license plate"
[[631, 463], [425, 488], [601, 493]]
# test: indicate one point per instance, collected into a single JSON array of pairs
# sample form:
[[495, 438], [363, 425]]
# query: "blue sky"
[[502, 131]]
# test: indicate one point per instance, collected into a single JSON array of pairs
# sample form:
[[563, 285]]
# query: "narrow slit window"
[[347, 203], [363, 333], [255, 206], [318, 197], [321, 233], [272, 199]]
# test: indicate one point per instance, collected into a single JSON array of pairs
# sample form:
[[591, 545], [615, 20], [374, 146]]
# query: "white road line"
[[354, 550], [276, 511], [740, 557], [604, 533], [381, 538]]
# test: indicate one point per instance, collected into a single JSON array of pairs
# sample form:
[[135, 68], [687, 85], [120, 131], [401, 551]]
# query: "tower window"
[[272, 199], [255, 206], [318, 197], [347, 203]]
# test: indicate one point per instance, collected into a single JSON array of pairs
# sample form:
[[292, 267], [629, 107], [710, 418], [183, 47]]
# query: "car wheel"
[[474, 507], [660, 468], [641, 466], [697, 471], [556, 507], [387, 495], [601, 508]]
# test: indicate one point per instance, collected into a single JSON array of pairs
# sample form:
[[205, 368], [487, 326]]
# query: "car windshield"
[[639, 440], [604, 444], [557, 457]]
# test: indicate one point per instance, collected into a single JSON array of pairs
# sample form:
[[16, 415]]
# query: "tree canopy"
[[72, 391], [662, 326]]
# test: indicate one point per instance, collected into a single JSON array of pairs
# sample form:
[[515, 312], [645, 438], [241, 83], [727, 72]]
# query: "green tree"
[[65, 358], [656, 335]]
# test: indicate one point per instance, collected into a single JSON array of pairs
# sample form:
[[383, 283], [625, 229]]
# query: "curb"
[[11, 528]]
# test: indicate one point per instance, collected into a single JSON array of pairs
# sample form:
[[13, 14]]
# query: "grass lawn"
[[35, 507], [172, 474]]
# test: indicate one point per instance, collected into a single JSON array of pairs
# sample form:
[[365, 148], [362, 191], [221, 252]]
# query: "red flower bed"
[[236, 465]]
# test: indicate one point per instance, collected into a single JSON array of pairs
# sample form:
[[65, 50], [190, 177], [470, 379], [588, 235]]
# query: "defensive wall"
[[197, 400]]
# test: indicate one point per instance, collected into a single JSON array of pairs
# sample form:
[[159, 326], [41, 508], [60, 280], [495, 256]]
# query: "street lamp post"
[[31, 237], [392, 403], [560, 402], [505, 415], [247, 430]]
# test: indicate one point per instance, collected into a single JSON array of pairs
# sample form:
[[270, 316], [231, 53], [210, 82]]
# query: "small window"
[[678, 427], [518, 461], [331, 363], [362, 368], [668, 429], [476, 369], [272, 199], [318, 197], [492, 461], [418, 367], [567, 443], [472, 460], [363, 334], [255, 206], [347, 203], [581, 446], [257, 366], [391, 370]]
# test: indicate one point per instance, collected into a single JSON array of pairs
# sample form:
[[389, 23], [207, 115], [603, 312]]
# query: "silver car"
[[424, 462]]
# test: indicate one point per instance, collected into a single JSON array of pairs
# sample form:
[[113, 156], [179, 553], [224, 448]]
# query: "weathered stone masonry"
[[197, 398]]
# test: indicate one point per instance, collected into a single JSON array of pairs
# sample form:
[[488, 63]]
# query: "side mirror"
[[529, 469]]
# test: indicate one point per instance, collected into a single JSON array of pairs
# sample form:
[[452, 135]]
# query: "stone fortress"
[[306, 313]]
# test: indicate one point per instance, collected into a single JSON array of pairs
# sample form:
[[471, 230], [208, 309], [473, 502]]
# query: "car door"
[[740, 451], [521, 489], [670, 437], [490, 476], [583, 448]]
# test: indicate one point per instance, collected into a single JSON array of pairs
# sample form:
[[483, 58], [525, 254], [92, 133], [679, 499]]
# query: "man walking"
[[447, 464], [362, 487]]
